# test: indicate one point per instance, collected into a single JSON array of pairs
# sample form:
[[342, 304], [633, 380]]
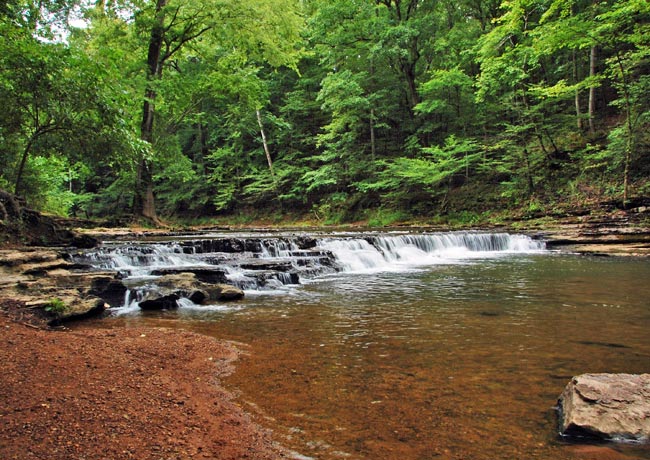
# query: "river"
[[409, 351]]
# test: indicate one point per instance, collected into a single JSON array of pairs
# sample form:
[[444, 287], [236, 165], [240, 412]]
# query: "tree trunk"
[[266, 145], [529, 173], [592, 89], [373, 142], [21, 168], [411, 86], [577, 94], [373, 146], [629, 128], [144, 206], [205, 150], [38, 132], [144, 203]]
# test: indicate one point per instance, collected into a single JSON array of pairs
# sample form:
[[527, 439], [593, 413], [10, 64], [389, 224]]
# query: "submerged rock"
[[606, 406]]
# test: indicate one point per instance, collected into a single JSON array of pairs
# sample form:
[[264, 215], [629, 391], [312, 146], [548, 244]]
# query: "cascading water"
[[389, 252], [263, 263], [138, 259], [278, 248]]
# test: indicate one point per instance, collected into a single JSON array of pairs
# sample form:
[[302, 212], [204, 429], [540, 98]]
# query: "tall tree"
[[265, 30], [56, 99], [624, 31]]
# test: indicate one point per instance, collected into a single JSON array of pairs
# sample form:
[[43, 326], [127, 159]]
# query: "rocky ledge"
[[606, 406], [621, 233], [45, 282], [42, 280]]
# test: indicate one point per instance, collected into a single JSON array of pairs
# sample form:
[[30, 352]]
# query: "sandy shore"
[[120, 394]]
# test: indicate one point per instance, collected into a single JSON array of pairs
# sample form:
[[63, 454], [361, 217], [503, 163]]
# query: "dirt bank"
[[119, 394]]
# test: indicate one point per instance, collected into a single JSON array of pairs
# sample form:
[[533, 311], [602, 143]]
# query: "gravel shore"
[[136, 393]]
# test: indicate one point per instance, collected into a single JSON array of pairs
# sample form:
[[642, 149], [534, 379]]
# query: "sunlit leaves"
[[427, 173]]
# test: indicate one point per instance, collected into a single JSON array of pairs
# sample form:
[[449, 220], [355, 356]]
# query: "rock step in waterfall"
[[267, 263]]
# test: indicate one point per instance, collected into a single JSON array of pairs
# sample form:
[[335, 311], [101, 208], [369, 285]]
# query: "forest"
[[335, 111]]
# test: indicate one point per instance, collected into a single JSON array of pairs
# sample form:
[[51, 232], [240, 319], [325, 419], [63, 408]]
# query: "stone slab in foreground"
[[607, 406]]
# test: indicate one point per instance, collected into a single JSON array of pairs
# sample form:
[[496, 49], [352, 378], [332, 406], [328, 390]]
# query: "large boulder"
[[42, 280], [607, 406], [267, 264], [202, 273], [183, 280]]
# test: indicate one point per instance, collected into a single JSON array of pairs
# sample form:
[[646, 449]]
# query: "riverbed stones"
[[606, 406]]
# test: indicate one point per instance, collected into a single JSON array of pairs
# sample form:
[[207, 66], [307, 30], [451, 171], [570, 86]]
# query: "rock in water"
[[225, 292], [607, 406], [159, 301]]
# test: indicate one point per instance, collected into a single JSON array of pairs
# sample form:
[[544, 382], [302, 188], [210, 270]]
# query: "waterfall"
[[138, 259], [278, 248], [272, 262], [386, 252]]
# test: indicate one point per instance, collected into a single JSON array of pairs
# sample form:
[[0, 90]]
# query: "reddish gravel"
[[120, 394]]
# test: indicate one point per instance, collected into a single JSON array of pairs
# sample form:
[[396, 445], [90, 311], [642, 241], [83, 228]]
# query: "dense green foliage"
[[339, 109]]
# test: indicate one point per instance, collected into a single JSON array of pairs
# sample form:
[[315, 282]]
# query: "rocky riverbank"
[[620, 233]]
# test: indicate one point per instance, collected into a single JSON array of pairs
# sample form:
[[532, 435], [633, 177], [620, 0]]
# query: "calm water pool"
[[459, 360]]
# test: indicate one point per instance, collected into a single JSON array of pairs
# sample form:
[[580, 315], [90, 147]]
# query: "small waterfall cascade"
[[386, 252], [268, 263], [135, 259]]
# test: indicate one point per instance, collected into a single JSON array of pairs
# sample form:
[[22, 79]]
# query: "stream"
[[406, 345]]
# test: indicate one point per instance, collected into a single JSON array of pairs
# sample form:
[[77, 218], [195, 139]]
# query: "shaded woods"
[[339, 110]]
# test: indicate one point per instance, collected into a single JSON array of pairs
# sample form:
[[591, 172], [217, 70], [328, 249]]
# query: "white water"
[[389, 253], [140, 260], [335, 253], [385, 252], [187, 304], [278, 248], [130, 304]]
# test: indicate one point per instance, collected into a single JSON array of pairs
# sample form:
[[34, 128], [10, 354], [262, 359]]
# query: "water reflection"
[[453, 361]]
